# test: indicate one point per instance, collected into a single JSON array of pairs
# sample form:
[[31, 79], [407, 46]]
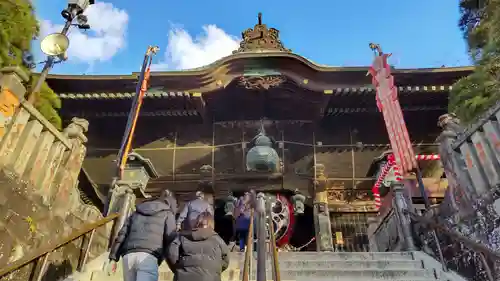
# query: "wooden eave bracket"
[[323, 104], [199, 104]]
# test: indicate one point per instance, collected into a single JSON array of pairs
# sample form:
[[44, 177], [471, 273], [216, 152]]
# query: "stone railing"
[[391, 230], [39, 167]]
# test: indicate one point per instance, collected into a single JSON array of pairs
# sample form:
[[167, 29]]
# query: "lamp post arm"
[[46, 68]]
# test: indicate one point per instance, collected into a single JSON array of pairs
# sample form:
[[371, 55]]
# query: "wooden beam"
[[323, 104], [199, 104]]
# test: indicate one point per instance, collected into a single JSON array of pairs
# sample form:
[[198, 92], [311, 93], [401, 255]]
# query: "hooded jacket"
[[147, 230], [198, 255], [192, 210]]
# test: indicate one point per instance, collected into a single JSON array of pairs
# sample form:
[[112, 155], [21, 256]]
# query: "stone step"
[[299, 275], [367, 264], [335, 256], [368, 274]]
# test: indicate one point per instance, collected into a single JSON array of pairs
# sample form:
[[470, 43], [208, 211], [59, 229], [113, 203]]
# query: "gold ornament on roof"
[[261, 38], [261, 82]]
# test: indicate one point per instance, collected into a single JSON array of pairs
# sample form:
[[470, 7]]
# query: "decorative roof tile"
[[163, 94]]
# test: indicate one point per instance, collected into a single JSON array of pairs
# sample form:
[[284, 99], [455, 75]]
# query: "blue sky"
[[419, 33]]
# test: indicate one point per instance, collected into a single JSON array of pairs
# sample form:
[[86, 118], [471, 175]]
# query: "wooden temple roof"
[[218, 75], [261, 53], [262, 79]]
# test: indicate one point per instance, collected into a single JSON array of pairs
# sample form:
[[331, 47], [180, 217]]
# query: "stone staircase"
[[312, 266]]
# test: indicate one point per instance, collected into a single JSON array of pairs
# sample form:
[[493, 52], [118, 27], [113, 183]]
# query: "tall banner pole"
[[126, 144], [388, 104], [141, 89]]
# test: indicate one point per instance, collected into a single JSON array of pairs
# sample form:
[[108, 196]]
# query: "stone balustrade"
[[391, 230], [39, 168]]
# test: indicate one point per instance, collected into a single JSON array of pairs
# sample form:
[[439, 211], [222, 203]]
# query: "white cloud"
[[185, 52], [105, 38], [161, 66]]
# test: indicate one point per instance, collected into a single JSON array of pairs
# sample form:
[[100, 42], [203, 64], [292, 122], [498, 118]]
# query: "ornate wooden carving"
[[261, 82], [336, 195], [261, 38], [349, 195]]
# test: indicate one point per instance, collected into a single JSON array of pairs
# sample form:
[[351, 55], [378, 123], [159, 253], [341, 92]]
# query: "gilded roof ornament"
[[261, 38]]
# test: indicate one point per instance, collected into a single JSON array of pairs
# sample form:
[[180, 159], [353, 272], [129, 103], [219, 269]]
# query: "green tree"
[[474, 94], [19, 27], [473, 12], [47, 102]]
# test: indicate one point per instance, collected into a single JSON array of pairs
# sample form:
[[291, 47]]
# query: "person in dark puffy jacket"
[[191, 211], [198, 254], [143, 238]]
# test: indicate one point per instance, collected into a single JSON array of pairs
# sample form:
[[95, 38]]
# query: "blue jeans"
[[140, 267], [243, 234]]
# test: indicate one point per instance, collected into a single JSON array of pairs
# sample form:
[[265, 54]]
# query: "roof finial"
[[259, 38], [262, 129], [377, 50]]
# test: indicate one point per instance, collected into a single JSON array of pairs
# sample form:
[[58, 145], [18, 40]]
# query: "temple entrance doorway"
[[224, 224]]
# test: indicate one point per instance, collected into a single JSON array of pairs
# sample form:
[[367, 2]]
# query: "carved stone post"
[[136, 175], [322, 223], [298, 203], [123, 203], [373, 223], [12, 92], [401, 206], [12, 120], [65, 192]]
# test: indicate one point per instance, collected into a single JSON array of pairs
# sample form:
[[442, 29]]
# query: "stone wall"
[[39, 166]]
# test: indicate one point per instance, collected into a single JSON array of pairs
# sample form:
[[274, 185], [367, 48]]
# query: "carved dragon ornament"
[[261, 82]]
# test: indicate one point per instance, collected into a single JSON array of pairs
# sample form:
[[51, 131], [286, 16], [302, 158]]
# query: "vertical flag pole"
[[126, 144], [388, 105], [142, 87]]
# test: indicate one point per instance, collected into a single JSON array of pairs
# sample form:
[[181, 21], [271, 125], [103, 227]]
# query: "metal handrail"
[[249, 249], [260, 208], [41, 256], [274, 249], [483, 250]]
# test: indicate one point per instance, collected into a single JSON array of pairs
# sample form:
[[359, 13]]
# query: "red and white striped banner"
[[427, 157], [390, 165], [386, 169], [388, 104], [376, 187]]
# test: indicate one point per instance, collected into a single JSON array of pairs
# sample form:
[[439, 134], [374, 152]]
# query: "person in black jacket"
[[191, 211], [143, 238], [198, 254]]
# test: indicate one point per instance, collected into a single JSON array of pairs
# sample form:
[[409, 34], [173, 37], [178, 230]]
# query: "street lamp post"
[[51, 45]]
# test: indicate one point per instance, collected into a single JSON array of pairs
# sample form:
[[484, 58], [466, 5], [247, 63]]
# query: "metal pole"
[[421, 187], [48, 65], [261, 237], [401, 208]]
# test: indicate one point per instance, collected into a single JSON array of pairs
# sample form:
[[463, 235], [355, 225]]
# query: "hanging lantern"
[[262, 157]]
